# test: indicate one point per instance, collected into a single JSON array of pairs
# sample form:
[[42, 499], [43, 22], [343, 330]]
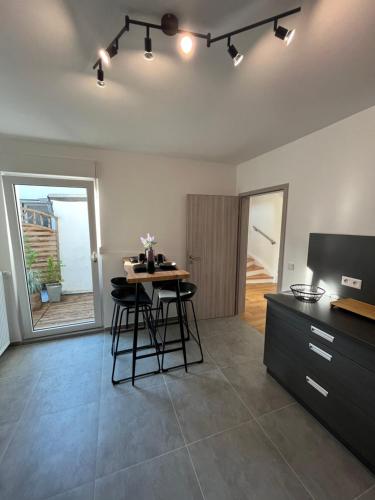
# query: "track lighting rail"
[[169, 26], [269, 20]]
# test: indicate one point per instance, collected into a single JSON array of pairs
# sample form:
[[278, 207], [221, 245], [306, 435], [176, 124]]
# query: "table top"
[[132, 277]]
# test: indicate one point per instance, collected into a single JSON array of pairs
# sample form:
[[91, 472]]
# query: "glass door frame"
[[16, 240]]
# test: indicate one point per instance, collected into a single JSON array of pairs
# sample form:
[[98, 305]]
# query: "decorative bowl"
[[307, 293]]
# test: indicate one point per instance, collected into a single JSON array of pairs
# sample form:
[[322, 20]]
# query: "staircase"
[[256, 274]]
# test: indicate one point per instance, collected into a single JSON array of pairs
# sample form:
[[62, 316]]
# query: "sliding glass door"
[[52, 227]]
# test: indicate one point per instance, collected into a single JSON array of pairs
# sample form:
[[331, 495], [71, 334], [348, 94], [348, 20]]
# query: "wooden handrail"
[[37, 217], [273, 242]]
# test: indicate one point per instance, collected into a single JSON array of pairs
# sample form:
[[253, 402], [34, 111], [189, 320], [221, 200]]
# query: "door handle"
[[316, 386], [322, 334], [320, 352], [94, 257], [194, 259]]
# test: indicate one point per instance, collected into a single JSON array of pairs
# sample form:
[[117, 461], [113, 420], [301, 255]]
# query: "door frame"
[[242, 241], [14, 228]]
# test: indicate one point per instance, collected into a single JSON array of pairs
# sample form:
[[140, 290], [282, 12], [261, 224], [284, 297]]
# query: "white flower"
[[149, 241]]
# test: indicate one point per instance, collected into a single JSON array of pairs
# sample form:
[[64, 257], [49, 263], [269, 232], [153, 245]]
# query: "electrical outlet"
[[351, 282]]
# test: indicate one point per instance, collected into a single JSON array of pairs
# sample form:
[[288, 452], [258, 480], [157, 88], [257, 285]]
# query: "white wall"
[[138, 193], [331, 176], [74, 245], [265, 213]]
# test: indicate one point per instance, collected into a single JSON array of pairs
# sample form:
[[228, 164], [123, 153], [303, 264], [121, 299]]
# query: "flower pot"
[[54, 292], [35, 301]]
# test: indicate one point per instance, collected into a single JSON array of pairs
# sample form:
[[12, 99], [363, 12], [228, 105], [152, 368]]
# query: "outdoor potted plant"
[[34, 286], [53, 280], [33, 278]]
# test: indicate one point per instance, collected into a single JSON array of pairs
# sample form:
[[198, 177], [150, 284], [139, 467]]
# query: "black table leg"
[[135, 336], [181, 322]]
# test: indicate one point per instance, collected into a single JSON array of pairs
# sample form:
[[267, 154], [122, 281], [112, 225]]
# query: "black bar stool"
[[125, 299], [161, 285], [168, 296], [121, 283]]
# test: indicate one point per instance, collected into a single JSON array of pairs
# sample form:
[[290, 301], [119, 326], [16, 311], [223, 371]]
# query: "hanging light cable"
[[100, 76], [148, 54]]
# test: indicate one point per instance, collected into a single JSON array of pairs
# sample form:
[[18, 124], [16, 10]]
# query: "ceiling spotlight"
[[285, 34], [107, 54], [186, 44], [148, 55], [235, 55], [100, 78]]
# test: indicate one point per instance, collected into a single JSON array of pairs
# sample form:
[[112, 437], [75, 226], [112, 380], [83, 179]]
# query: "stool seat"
[[121, 282], [125, 297], [187, 291]]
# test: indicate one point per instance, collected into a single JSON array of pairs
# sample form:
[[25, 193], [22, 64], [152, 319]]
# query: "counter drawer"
[[344, 376], [284, 323], [360, 353], [288, 334], [346, 420]]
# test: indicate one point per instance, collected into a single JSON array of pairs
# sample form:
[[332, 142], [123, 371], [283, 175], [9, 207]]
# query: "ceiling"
[[200, 108]]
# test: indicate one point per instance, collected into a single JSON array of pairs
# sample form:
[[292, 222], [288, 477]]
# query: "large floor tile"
[[241, 464], [206, 403], [367, 495], [168, 477], [134, 427], [6, 433], [84, 492], [12, 363], [84, 351], [192, 354], [124, 367], [59, 390], [211, 327], [15, 393], [50, 454], [258, 390], [327, 469], [236, 347]]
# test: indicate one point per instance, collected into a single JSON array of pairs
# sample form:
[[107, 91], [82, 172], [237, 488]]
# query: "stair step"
[[254, 267], [260, 276]]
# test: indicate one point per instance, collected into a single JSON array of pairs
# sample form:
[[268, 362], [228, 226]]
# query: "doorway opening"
[[262, 242], [52, 226], [56, 248]]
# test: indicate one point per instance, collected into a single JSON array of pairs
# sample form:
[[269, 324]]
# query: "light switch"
[[290, 266]]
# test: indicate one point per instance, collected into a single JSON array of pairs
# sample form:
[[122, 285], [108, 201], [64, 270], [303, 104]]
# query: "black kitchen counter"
[[359, 328]]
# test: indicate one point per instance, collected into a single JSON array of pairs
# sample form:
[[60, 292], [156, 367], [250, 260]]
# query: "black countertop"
[[361, 329]]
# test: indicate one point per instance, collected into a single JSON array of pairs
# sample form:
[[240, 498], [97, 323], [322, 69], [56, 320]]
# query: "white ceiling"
[[199, 108]]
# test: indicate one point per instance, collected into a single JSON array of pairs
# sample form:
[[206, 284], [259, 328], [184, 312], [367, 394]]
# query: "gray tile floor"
[[226, 430]]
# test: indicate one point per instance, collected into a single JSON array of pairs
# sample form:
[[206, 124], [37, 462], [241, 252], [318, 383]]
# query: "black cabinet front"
[[316, 365]]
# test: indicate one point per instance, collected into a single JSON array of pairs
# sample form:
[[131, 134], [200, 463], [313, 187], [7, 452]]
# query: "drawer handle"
[[316, 386], [319, 351], [322, 334]]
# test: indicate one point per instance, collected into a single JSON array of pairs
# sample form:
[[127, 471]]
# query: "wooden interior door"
[[212, 233]]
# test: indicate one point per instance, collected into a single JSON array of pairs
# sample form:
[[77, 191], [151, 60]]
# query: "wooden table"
[[137, 278], [133, 277]]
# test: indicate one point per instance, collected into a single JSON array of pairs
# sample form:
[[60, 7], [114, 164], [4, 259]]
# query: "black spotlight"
[[235, 55], [100, 78], [285, 34], [106, 55], [148, 55]]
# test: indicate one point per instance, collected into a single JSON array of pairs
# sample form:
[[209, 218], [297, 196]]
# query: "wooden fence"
[[41, 237]]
